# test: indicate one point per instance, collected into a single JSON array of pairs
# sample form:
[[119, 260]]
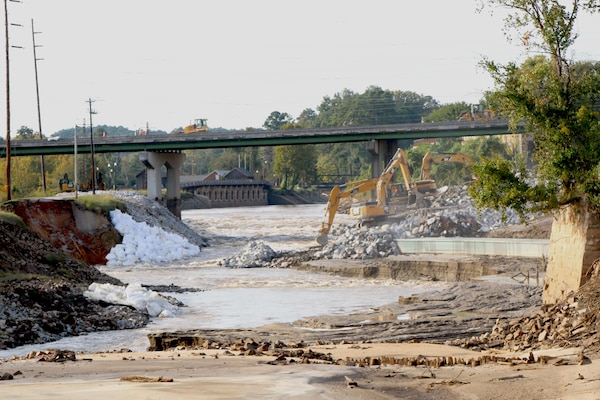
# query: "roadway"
[[178, 142]]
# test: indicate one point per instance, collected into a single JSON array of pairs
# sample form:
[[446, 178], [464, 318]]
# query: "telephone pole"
[[37, 93], [7, 54], [6, 44], [92, 148]]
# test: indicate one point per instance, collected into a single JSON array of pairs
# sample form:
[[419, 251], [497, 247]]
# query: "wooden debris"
[[138, 378], [351, 383]]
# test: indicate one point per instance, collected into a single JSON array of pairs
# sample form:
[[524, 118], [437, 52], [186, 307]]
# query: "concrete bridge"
[[166, 150]]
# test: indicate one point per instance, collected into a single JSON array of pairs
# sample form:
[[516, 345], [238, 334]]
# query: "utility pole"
[[92, 148], [76, 182], [7, 54], [6, 45], [37, 93]]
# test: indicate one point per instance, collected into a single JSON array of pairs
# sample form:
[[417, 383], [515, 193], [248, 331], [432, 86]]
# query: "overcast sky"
[[164, 63]]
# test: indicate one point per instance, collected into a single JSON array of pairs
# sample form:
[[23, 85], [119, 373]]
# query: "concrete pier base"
[[574, 246]]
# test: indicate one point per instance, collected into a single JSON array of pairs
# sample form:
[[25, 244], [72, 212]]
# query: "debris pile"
[[452, 214], [574, 322], [256, 254], [359, 243]]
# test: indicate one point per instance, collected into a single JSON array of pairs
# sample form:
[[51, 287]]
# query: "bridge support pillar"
[[154, 161], [382, 152]]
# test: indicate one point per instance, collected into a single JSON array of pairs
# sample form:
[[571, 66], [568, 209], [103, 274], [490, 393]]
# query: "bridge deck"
[[177, 142]]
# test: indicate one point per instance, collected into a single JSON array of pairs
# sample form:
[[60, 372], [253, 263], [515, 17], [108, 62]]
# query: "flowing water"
[[237, 298]]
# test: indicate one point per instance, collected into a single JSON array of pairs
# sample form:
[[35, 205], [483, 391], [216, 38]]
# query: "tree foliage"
[[276, 120], [447, 112], [554, 98]]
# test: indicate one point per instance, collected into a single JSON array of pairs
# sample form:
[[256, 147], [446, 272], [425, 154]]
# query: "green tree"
[[447, 112], [276, 120], [295, 164], [25, 133], [554, 97]]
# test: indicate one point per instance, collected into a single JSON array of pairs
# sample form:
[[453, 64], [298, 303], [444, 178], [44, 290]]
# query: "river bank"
[[223, 374]]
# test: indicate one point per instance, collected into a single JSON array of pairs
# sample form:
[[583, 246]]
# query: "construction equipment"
[[477, 113], [390, 197], [433, 157], [198, 126], [337, 193], [66, 185]]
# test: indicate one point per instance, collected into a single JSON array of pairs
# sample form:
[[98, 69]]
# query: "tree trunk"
[[574, 246]]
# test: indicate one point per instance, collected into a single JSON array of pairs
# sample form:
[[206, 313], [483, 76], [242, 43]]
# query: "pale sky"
[[165, 63]]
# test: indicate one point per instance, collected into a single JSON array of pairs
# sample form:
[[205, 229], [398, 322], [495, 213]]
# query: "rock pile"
[[256, 254], [574, 322], [40, 311], [359, 243]]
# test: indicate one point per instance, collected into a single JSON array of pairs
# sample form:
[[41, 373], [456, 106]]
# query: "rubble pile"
[[42, 310], [359, 243], [452, 214], [256, 254], [574, 322]]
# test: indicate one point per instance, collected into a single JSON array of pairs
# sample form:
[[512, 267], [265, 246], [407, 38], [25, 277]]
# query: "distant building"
[[233, 188]]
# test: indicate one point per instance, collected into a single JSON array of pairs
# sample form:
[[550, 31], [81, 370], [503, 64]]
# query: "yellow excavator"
[[198, 126], [337, 193], [433, 157], [390, 197]]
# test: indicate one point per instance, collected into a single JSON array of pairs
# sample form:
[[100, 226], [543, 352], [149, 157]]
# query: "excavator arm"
[[400, 160], [336, 194], [431, 158]]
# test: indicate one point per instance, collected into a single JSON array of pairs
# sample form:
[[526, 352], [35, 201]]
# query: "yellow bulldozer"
[[198, 126]]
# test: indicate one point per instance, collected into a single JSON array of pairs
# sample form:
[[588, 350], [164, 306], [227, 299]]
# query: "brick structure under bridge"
[[233, 188], [233, 193]]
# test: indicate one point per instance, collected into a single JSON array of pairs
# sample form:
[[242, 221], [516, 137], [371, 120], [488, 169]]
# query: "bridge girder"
[[178, 142]]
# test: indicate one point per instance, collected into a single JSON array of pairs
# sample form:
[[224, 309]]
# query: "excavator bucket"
[[322, 239]]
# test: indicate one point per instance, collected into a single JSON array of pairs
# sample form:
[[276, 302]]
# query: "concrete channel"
[[476, 246]]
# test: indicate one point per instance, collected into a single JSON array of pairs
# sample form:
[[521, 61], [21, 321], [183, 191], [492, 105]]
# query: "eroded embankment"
[[85, 235]]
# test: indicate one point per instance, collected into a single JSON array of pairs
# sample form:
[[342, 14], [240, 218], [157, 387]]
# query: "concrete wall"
[[234, 195], [476, 246], [574, 246]]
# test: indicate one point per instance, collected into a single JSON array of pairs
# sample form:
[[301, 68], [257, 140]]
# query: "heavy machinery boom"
[[431, 158], [337, 193]]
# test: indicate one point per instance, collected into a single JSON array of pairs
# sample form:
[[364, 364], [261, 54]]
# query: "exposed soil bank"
[[85, 235]]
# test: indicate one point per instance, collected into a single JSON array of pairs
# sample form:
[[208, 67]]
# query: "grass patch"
[[11, 218], [102, 204], [9, 276]]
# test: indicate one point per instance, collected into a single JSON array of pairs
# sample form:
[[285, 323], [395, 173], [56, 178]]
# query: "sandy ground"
[[212, 374]]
